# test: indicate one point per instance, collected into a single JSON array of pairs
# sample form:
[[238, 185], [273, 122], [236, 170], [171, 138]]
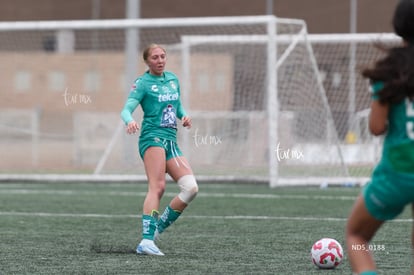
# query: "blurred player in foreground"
[[392, 112], [158, 93]]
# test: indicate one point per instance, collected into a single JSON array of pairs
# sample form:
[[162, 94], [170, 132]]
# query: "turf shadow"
[[111, 249]]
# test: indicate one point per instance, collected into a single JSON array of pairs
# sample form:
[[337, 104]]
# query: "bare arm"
[[378, 118]]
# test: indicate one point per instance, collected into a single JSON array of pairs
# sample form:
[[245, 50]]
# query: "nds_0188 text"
[[368, 247]]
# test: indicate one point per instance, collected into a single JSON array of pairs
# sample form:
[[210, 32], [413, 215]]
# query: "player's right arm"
[[126, 114], [131, 104]]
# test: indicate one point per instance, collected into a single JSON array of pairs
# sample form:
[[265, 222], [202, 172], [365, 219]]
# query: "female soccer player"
[[158, 93], [392, 112]]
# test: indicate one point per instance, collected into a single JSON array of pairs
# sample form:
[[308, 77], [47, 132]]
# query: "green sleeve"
[[135, 97], [130, 105], [376, 87], [180, 108], [180, 111]]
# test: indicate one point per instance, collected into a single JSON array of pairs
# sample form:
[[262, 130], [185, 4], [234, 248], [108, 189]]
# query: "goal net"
[[269, 102]]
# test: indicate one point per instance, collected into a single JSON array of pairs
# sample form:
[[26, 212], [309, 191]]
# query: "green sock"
[[149, 224], [167, 218], [368, 273]]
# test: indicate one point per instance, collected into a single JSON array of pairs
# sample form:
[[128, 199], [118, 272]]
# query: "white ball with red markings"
[[327, 253]]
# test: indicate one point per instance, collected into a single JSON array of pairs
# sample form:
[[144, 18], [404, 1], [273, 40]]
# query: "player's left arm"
[[378, 118], [182, 114], [187, 122]]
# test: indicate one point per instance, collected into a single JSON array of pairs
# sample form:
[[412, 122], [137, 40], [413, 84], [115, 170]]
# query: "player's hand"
[[186, 122], [132, 127]]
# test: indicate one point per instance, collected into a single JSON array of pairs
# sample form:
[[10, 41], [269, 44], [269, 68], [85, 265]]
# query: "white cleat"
[[148, 247]]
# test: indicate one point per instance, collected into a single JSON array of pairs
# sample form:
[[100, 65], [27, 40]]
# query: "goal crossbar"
[[288, 38], [138, 23]]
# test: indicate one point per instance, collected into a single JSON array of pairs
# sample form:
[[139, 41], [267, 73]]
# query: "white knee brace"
[[188, 187]]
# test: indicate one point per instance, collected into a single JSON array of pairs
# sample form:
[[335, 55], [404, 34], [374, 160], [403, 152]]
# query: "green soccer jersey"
[[159, 97], [398, 147]]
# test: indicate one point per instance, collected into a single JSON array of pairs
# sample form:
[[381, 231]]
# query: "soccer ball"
[[327, 253]]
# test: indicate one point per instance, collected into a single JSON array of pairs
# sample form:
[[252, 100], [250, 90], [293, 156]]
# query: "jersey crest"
[[154, 88], [172, 84]]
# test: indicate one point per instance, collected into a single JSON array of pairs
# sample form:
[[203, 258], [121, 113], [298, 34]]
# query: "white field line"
[[122, 216], [170, 194], [141, 194]]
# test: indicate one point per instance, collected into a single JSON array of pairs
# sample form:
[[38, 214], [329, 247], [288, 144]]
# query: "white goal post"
[[270, 102]]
